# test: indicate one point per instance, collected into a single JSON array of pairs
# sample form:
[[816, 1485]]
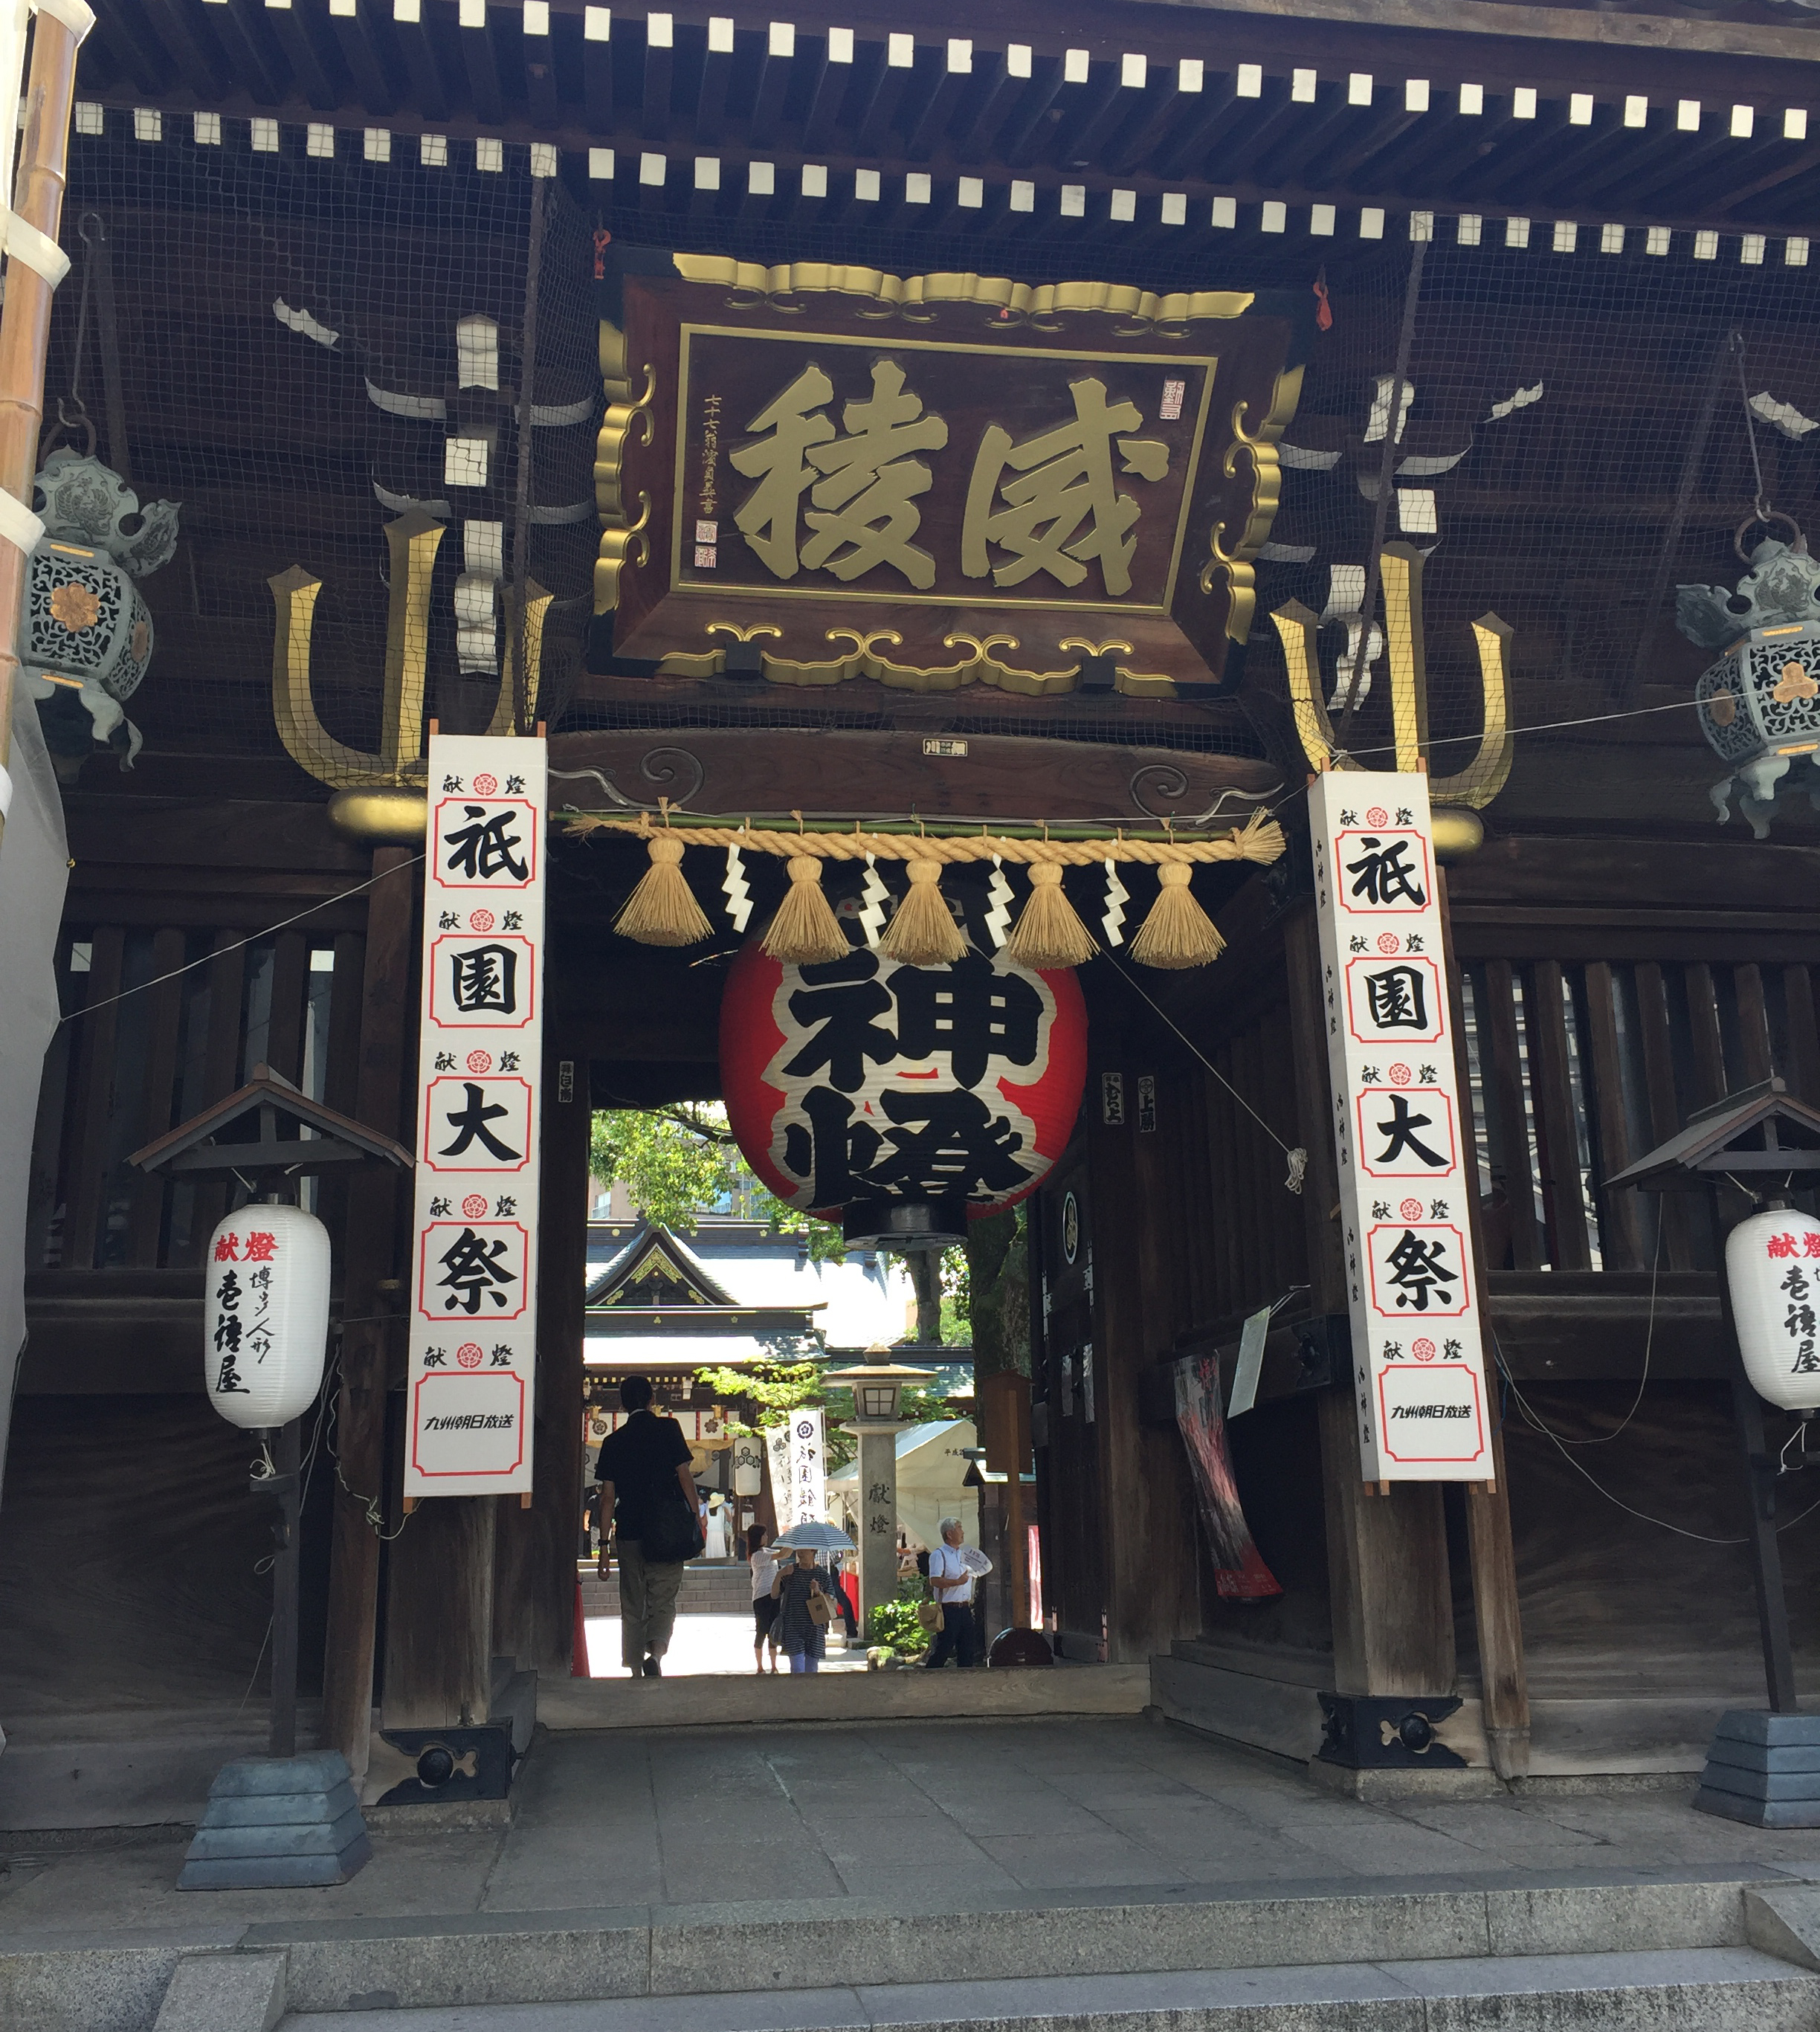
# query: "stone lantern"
[[877, 1386]]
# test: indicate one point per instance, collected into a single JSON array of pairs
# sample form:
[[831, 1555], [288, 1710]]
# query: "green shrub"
[[895, 1624]]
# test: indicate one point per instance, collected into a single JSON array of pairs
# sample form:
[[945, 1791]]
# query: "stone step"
[[1716, 1989], [1613, 1949]]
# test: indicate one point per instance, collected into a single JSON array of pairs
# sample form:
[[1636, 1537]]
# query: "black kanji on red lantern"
[[969, 1013]]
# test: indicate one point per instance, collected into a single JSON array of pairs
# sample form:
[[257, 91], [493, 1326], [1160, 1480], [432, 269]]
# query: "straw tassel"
[[804, 932], [922, 933], [661, 911], [1178, 933], [1048, 932]]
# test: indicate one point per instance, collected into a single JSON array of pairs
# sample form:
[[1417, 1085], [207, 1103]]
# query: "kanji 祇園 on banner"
[[1406, 1167], [473, 1270]]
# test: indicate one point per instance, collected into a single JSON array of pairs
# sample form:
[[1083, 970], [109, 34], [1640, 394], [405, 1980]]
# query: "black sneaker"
[[653, 1670]]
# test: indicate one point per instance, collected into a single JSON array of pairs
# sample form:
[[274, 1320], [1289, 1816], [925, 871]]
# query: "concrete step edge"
[[1717, 1990], [679, 1952], [721, 1950]]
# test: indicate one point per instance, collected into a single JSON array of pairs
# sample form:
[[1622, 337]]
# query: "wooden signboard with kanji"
[[810, 473]]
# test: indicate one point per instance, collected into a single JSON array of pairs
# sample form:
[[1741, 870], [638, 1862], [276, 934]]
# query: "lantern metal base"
[[905, 1224]]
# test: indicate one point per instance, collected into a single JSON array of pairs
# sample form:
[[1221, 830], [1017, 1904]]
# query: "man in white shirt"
[[952, 1573]]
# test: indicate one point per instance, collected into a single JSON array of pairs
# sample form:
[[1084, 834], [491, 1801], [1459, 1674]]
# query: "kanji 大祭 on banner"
[[1406, 1165], [473, 1305]]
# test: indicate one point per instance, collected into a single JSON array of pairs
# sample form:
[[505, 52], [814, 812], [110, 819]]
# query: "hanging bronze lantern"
[[1759, 705]]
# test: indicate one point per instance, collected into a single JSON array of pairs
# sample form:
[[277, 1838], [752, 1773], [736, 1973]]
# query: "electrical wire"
[[252, 938], [1208, 1063], [1606, 1439], [1617, 1502]]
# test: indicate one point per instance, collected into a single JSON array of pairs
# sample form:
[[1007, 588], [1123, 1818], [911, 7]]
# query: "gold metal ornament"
[[1473, 786], [392, 804]]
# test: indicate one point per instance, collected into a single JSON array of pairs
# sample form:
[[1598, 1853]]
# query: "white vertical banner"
[[808, 1469], [1407, 1164], [777, 1454], [473, 1260]]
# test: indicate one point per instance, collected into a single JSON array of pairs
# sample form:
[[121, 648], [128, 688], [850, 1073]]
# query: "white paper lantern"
[[1773, 1266], [265, 1315], [748, 1467]]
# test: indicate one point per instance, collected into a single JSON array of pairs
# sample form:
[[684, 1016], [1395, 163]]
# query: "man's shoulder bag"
[[929, 1613], [674, 1534]]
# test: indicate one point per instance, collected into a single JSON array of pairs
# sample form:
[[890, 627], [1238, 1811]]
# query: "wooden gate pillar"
[[439, 1614], [372, 1256], [1387, 1559], [535, 1549]]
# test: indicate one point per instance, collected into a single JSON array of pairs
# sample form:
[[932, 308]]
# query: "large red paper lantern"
[[901, 1100]]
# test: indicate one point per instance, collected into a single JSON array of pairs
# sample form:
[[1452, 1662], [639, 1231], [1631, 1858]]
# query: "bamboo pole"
[[25, 320]]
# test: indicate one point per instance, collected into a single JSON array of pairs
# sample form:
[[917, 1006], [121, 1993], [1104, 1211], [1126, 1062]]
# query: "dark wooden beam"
[[976, 142], [717, 64], [925, 132], [481, 65], [597, 85], [197, 53], [376, 71], [828, 97], [316, 73], [417, 48], [255, 64], [774, 65], [660, 60]]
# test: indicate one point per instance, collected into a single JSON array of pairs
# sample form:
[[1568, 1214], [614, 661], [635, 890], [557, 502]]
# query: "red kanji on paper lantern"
[[901, 1100]]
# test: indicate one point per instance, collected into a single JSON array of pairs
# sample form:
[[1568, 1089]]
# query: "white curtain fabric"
[[34, 871]]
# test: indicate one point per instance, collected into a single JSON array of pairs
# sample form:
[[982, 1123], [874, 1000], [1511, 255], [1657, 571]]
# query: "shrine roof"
[[681, 117]]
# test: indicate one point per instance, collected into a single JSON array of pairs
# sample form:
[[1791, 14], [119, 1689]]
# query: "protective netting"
[[299, 351], [1573, 445], [300, 348]]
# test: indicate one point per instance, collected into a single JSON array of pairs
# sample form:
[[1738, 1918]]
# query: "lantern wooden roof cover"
[[1763, 1130], [191, 1148]]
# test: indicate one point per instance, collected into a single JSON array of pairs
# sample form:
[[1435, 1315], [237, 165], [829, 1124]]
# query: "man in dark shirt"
[[647, 1458]]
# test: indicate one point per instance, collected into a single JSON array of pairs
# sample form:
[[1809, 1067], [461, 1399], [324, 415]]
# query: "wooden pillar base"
[[439, 1616]]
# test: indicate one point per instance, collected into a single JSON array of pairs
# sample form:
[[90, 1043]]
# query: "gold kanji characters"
[[1068, 480], [862, 485]]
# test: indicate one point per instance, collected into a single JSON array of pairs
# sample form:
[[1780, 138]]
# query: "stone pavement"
[[919, 1816], [702, 1646]]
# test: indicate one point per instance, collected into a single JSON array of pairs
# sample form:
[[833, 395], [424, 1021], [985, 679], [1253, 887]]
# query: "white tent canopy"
[[932, 1467]]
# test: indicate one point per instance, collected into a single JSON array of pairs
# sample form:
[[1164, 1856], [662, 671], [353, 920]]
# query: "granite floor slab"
[[955, 1814]]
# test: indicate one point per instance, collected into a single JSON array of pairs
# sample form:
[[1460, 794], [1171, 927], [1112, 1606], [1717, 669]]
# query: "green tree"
[[774, 1388], [994, 1294], [679, 1161]]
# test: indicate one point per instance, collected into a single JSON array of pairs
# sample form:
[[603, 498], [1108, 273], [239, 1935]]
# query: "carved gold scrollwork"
[[1241, 583], [740, 633], [1260, 446], [755, 286], [619, 547], [621, 540]]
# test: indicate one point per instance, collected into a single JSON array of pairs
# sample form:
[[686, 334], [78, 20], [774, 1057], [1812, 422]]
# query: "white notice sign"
[[1405, 1161], [474, 1260]]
